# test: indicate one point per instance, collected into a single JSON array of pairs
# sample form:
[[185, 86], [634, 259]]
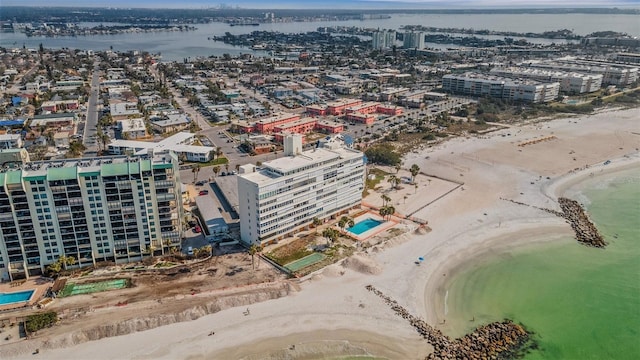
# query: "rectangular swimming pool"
[[15, 297], [364, 225]]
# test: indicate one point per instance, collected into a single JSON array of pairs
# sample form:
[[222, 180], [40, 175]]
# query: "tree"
[[218, 151], [414, 170], [151, 249], [330, 234], [394, 181], [316, 222], [103, 139], [195, 170], [398, 167], [253, 250], [216, 170], [345, 221], [384, 154], [385, 200]]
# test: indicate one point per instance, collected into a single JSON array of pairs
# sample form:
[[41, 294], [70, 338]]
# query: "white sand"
[[334, 312]]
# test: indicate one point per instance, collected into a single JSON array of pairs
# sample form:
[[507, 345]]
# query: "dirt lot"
[[168, 294]]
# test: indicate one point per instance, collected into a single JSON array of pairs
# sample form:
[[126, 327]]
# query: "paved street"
[[89, 133]]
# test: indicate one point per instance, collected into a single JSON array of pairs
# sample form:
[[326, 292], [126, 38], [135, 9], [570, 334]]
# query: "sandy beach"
[[333, 314]]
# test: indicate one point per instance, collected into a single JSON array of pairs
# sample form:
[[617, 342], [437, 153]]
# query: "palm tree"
[[237, 167], [219, 151], [167, 243], [345, 221], [385, 199], [316, 222], [395, 181], [390, 211], [195, 170], [414, 170], [253, 250], [330, 234], [216, 170], [398, 167], [150, 249], [383, 211]]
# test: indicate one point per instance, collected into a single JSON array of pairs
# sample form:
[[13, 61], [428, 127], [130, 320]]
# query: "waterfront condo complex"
[[286, 194], [93, 209]]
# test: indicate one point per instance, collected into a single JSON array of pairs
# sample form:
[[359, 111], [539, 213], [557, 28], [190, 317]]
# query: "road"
[[89, 133]]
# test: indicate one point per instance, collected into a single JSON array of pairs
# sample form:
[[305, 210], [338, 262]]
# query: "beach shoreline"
[[469, 226]]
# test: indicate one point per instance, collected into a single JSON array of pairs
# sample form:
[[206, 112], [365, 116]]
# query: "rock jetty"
[[574, 214], [498, 340], [586, 232]]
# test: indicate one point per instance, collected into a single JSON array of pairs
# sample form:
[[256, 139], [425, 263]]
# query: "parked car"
[[203, 192], [201, 182], [190, 250]]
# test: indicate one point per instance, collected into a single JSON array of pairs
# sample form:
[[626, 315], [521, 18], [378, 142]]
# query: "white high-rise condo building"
[[286, 194], [413, 40], [97, 209], [383, 39], [477, 84]]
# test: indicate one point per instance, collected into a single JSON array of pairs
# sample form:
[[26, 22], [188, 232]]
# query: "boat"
[[244, 24]]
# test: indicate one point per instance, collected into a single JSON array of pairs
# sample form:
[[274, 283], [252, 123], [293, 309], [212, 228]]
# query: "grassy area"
[[290, 252], [217, 161], [372, 183]]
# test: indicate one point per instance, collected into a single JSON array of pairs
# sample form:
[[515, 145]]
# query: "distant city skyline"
[[332, 4]]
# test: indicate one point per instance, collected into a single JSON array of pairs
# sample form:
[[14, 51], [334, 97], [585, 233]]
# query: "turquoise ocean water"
[[582, 303]]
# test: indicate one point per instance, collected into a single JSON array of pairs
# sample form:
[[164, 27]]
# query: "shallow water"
[[582, 303]]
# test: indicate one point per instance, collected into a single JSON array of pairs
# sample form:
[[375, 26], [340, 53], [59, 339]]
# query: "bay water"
[[581, 302]]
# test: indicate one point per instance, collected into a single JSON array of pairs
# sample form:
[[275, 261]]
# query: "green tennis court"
[[77, 289], [304, 262]]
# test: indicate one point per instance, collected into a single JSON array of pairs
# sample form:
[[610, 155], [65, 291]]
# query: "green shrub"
[[40, 321]]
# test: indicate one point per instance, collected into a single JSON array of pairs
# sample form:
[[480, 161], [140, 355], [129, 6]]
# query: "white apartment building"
[[180, 143], [570, 82], [477, 84], [612, 74], [95, 209], [383, 39], [413, 40], [285, 194]]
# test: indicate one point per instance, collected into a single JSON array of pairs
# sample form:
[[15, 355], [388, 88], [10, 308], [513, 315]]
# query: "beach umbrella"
[[421, 259]]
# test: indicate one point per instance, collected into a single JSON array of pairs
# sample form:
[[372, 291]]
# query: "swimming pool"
[[15, 297], [364, 225]]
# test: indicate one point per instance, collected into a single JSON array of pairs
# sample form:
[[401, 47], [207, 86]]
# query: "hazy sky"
[[344, 4]]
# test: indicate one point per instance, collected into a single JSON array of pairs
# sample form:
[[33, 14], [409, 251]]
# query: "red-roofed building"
[[361, 118], [389, 109], [267, 125], [316, 110], [330, 127], [339, 106], [364, 108], [301, 126]]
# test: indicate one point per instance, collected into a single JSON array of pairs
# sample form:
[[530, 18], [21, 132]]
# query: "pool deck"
[[387, 224], [39, 284]]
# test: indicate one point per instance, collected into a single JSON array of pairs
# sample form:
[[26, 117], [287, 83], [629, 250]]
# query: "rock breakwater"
[[574, 214], [586, 232], [498, 340]]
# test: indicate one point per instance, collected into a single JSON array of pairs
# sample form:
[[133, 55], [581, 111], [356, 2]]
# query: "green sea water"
[[582, 303]]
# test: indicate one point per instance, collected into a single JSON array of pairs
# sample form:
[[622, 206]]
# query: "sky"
[[344, 4]]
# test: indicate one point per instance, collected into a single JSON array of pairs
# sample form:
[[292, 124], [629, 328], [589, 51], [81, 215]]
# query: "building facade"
[[383, 39], [477, 84], [97, 209], [286, 194]]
